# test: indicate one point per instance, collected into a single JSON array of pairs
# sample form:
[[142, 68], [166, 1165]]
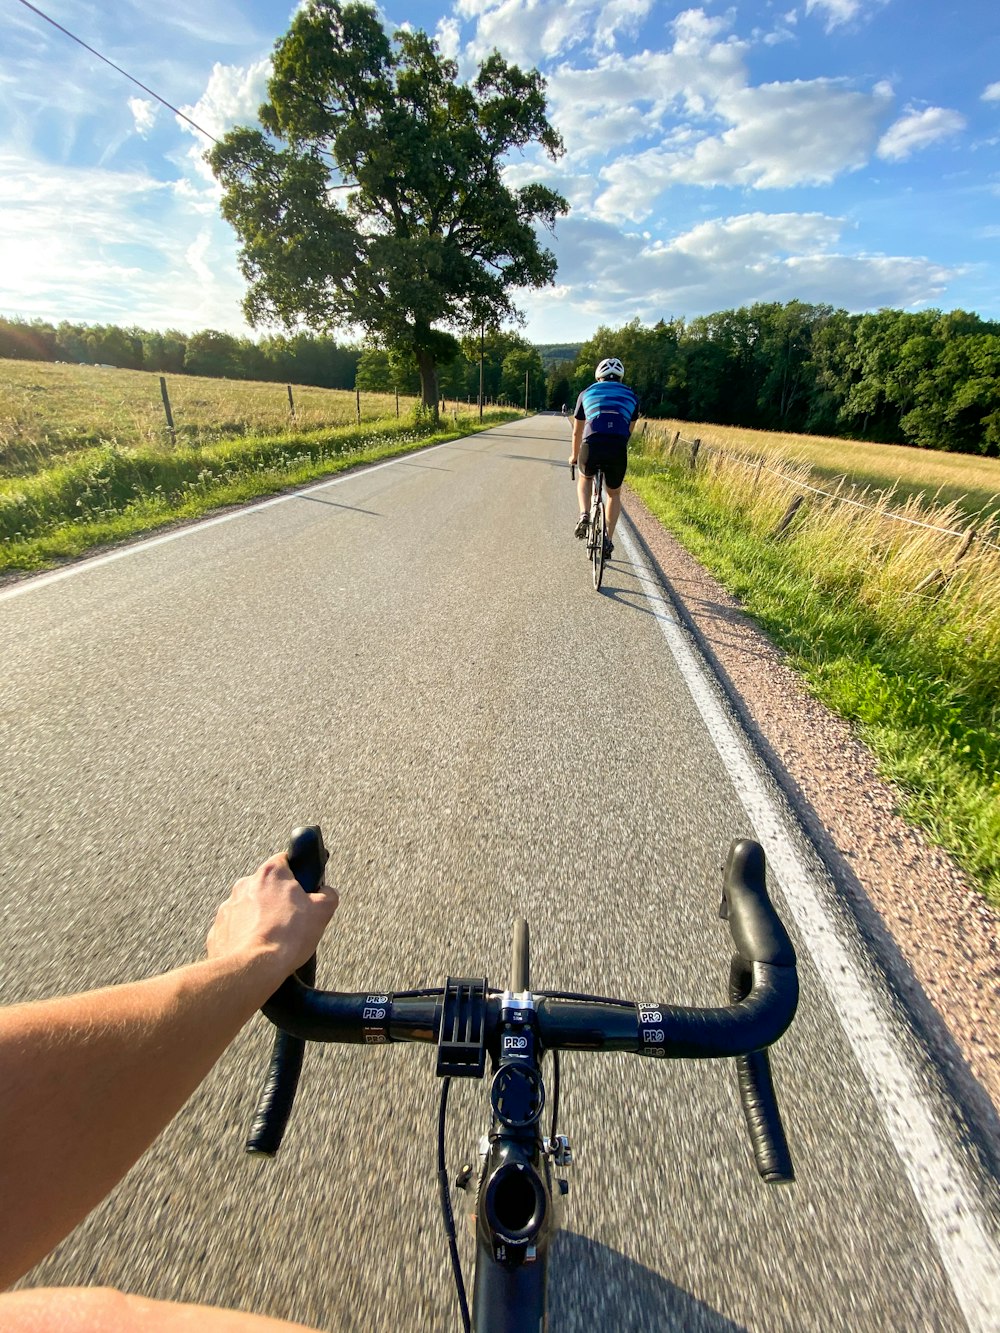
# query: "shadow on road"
[[533, 458], [520, 435], [593, 1287], [334, 504]]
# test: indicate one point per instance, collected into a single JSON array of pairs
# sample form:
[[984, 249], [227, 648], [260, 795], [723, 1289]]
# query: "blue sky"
[[840, 151]]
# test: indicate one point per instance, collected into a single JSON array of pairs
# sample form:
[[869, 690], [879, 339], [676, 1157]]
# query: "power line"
[[81, 42]]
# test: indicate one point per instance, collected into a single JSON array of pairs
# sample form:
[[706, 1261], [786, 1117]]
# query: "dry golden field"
[[968, 481], [48, 410]]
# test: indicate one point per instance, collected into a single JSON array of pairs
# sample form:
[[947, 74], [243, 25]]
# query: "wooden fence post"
[[966, 544], [166, 408], [790, 513], [938, 579], [397, 402], [357, 397], [291, 401], [695, 446]]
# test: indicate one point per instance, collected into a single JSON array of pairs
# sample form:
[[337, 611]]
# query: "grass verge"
[[915, 670], [109, 493]]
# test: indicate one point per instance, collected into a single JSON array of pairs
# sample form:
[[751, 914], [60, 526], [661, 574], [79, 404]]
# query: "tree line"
[[508, 360], [302, 358], [928, 378]]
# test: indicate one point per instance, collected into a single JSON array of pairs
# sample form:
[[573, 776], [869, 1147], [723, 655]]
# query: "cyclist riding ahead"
[[603, 419]]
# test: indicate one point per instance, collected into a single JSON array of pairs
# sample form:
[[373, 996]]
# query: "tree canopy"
[[373, 195], [926, 378]]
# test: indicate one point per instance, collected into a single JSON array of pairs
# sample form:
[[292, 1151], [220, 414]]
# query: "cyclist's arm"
[[577, 438], [88, 1081], [103, 1310]]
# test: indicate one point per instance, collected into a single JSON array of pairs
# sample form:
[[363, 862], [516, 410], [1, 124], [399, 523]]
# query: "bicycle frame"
[[515, 1202]]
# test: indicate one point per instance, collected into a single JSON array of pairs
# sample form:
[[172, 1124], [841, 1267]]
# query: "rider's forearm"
[[88, 1081], [82, 1310], [577, 437]]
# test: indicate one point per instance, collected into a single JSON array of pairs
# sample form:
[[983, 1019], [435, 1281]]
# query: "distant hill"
[[553, 353]]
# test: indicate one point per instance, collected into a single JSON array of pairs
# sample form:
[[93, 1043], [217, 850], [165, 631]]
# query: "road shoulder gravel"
[[933, 935]]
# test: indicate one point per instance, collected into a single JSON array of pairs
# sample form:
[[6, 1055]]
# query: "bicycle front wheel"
[[597, 533]]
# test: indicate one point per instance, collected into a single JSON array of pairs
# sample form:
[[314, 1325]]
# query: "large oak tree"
[[374, 197]]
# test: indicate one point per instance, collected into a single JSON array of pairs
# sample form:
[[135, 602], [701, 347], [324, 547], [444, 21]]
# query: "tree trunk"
[[428, 381]]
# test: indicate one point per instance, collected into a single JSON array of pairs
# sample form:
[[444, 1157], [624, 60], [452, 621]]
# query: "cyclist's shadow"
[[593, 1287]]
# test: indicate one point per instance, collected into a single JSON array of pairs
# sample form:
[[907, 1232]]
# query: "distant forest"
[[930, 379], [301, 358]]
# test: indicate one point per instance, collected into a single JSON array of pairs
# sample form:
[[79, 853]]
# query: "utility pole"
[[482, 353], [525, 393]]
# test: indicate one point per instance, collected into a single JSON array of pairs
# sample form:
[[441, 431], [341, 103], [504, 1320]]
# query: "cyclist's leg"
[[612, 507], [614, 474], [584, 489], [584, 486]]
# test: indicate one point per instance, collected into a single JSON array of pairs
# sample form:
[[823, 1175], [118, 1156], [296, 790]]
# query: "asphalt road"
[[415, 657]]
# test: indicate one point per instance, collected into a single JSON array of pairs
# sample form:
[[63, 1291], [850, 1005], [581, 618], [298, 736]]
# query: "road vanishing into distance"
[[414, 656]]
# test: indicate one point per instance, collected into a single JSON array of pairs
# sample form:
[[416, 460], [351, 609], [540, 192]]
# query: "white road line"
[[83, 566], [939, 1180]]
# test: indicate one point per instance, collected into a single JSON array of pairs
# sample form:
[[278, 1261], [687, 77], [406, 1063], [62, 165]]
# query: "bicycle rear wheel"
[[597, 534]]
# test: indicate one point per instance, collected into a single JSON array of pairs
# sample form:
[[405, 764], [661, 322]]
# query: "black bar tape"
[[757, 1096], [652, 1031], [277, 1096], [760, 1109]]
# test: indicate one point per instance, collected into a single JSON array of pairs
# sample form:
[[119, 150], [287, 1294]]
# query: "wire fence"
[[758, 463]]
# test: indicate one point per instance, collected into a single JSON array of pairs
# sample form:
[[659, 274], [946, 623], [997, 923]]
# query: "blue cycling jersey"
[[609, 408]]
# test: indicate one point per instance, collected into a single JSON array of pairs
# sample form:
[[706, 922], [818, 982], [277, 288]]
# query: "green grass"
[[109, 493], [49, 410], [916, 673]]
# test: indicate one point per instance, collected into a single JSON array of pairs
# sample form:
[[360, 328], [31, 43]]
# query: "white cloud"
[[840, 12], [782, 134], [144, 114], [620, 99], [619, 18], [527, 31], [720, 264], [137, 252], [231, 97], [992, 93], [530, 31], [448, 39], [918, 129]]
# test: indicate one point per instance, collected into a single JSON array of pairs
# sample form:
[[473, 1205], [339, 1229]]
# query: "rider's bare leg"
[[612, 508], [584, 488]]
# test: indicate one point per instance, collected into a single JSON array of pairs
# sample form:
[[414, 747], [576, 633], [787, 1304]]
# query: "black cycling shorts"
[[607, 452]]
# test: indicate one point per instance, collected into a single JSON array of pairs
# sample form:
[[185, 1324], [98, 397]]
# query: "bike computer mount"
[[461, 1051]]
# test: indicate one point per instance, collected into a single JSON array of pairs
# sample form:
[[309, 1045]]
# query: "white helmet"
[[610, 369]]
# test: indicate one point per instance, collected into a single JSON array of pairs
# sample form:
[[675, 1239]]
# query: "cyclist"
[[90, 1080], [603, 420]]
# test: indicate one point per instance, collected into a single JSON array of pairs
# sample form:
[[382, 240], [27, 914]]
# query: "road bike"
[[519, 1170], [597, 531]]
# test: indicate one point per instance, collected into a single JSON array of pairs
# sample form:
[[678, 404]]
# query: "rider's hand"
[[270, 915], [574, 458]]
